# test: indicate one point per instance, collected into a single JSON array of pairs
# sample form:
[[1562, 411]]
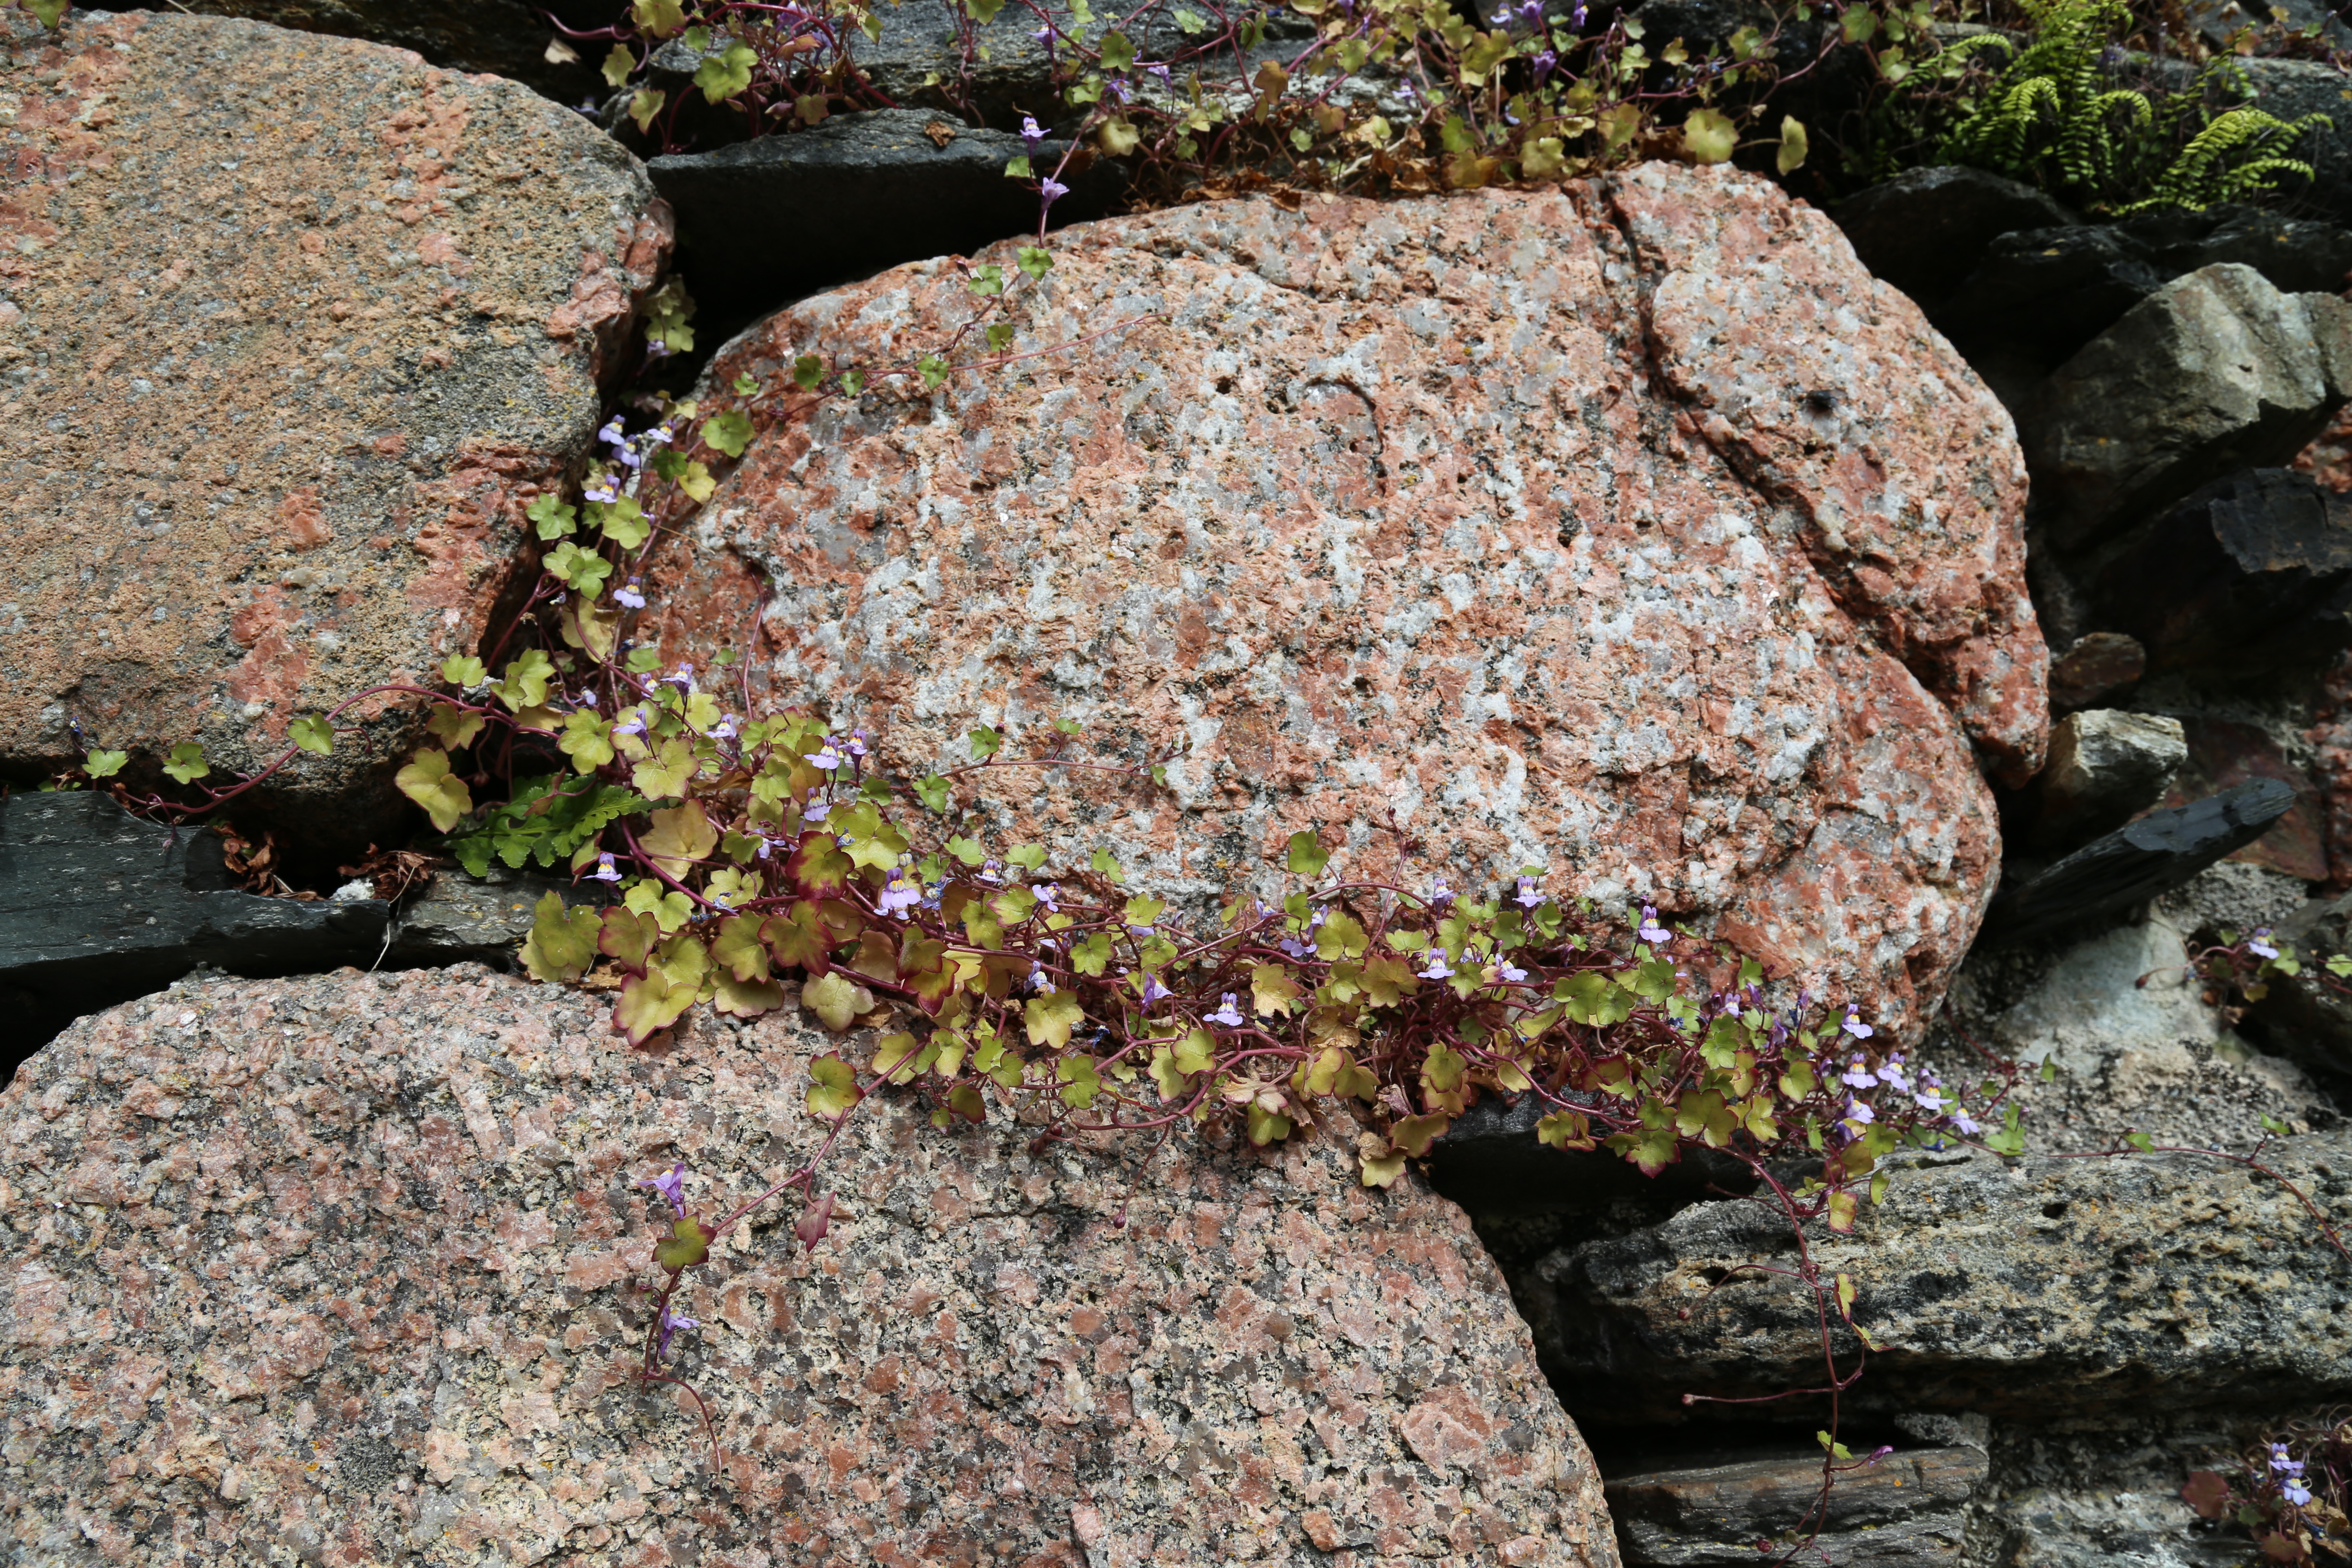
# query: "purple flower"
[[2259, 944], [725, 728], [1228, 1015], [993, 872], [900, 895], [605, 870], [606, 489], [634, 724], [2281, 1464], [1117, 88], [671, 1186], [1293, 947], [1439, 892], [1545, 62], [1438, 968], [857, 742], [825, 759], [611, 434], [1529, 895], [631, 595], [1160, 71], [1531, 12], [1854, 1026], [1050, 896], [1039, 981], [1858, 1074], [683, 679], [1047, 35], [1032, 135], [1575, 17], [1650, 929], [1153, 991], [1510, 972], [2294, 1491], [1051, 190], [670, 1324], [1965, 1124], [631, 457], [1892, 1073]]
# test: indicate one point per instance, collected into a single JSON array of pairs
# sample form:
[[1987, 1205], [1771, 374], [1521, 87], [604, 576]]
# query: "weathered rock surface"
[[1384, 516], [2104, 765], [2250, 574], [295, 325], [764, 221], [2094, 669], [2135, 862], [2039, 295], [2293, 89], [1926, 229], [504, 37], [2081, 1286], [1904, 1511], [97, 906], [2308, 1017], [2214, 371], [407, 1325]]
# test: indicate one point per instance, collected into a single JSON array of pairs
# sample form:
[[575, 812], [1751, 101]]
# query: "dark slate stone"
[[2040, 294], [2307, 1016], [2291, 89], [2250, 574], [98, 907], [2135, 863], [1924, 231], [2095, 670], [1491, 1163], [766, 221]]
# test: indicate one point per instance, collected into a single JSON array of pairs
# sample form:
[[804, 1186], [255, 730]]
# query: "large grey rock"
[[2087, 1286], [2135, 863], [2104, 765], [295, 327], [2246, 575], [765, 221], [1924, 231], [2215, 371], [2039, 295], [345, 1268], [1908, 1511], [504, 37]]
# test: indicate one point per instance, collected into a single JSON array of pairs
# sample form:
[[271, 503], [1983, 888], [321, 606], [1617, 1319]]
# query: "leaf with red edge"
[[2208, 1494], [1413, 1133], [798, 938], [650, 1002], [2280, 1547], [628, 938], [687, 1245], [819, 866], [815, 1220]]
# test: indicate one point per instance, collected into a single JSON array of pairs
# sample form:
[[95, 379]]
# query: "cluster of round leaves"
[[1370, 94]]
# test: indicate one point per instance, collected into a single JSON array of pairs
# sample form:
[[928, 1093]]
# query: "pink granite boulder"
[[293, 327], [343, 1269], [1629, 530]]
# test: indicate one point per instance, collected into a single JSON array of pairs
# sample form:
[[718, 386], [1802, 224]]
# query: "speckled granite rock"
[[293, 325], [1377, 515], [2075, 1286], [341, 1267]]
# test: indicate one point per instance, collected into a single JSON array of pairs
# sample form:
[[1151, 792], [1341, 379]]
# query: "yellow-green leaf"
[[1793, 144], [837, 1000], [748, 998], [680, 837], [312, 733], [1079, 1080], [587, 740], [649, 1003], [832, 1089], [562, 941], [525, 681], [454, 726], [689, 1244], [427, 781], [1273, 993], [1709, 136], [1051, 1018], [737, 946]]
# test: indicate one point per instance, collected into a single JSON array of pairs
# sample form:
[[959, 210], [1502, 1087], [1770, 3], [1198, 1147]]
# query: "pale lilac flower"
[[1153, 991], [1038, 980], [1293, 947], [825, 759], [1050, 896], [1545, 62], [1575, 17], [2294, 1491], [1228, 1015], [586, 700], [671, 1186], [1858, 1074], [634, 724], [1439, 892], [631, 595], [1531, 12], [1160, 71], [900, 895], [606, 489], [1965, 1124], [994, 871], [1892, 1073], [1438, 968], [1529, 895], [857, 742], [818, 812], [725, 728], [605, 870], [1510, 972], [1652, 931], [1032, 135], [2259, 944], [611, 434], [2282, 1463], [683, 679], [670, 1324], [1051, 190], [1854, 1026]]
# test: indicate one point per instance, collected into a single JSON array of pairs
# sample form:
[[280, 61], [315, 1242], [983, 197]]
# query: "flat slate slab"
[[290, 329]]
